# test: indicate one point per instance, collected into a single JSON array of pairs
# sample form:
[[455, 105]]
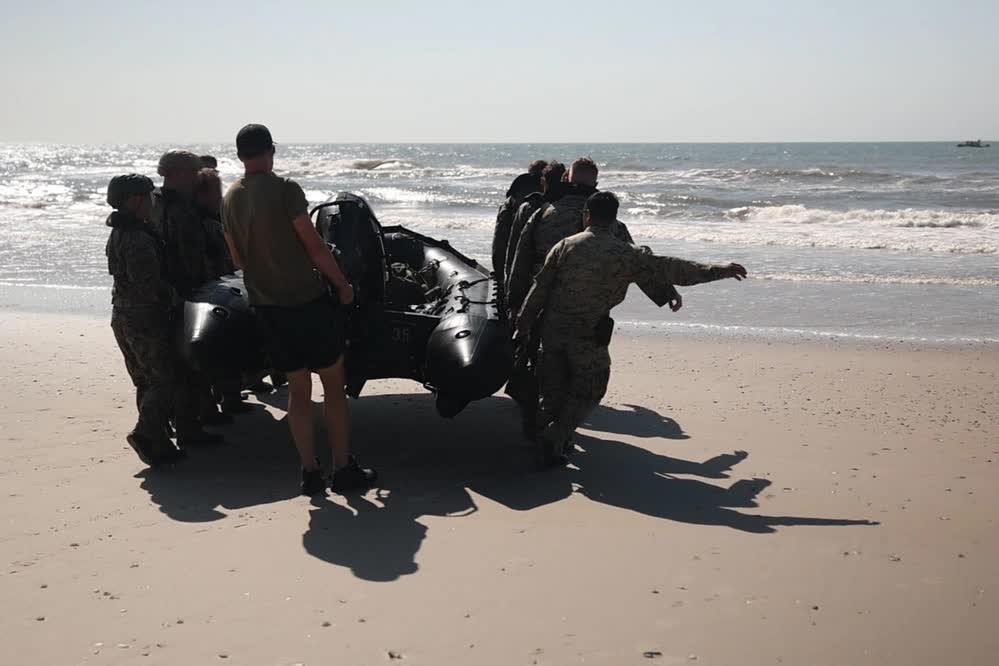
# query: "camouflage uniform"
[[180, 225], [501, 235], [142, 301], [188, 265], [219, 261], [547, 226], [528, 207], [543, 230], [583, 278]]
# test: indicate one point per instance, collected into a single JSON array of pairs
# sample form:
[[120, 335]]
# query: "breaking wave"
[[909, 230], [800, 333], [871, 278], [907, 218], [45, 285], [372, 164]]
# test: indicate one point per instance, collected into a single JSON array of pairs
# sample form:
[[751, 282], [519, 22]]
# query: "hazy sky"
[[630, 70]]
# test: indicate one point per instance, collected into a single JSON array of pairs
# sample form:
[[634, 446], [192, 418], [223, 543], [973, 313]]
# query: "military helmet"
[[178, 160], [122, 187]]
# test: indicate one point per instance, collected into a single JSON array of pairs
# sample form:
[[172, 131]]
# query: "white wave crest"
[[45, 285], [909, 230], [871, 278], [906, 218], [372, 164], [800, 333]]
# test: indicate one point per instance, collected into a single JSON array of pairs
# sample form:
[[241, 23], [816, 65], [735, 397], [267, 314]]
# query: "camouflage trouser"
[[572, 379], [523, 383], [146, 343]]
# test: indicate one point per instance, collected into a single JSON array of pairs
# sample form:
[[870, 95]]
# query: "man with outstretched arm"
[[583, 278], [284, 260]]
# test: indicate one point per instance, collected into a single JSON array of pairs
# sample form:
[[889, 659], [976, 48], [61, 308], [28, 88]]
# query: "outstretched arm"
[[657, 292], [686, 273]]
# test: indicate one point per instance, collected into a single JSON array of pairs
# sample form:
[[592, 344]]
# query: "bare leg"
[[300, 416], [335, 412]]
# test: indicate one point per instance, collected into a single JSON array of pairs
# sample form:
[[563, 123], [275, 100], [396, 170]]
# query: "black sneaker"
[[352, 477], [199, 438], [313, 482]]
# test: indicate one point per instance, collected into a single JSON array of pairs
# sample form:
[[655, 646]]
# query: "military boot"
[[152, 451], [551, 448]]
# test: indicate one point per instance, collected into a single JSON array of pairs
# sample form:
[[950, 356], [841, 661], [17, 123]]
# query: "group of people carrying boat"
[[561, 259], [564, 262]]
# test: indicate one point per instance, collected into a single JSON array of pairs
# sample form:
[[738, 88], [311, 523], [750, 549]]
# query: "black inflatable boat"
[[422, 311]]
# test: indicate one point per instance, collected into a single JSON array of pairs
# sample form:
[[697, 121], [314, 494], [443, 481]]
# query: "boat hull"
[[444, 329]]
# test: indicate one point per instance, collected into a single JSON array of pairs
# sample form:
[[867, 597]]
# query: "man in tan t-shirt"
[[284, 261]]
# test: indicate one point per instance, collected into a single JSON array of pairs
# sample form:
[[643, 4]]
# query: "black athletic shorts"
[[309, 336]]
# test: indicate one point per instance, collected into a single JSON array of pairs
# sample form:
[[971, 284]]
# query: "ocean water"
[[843, 241]]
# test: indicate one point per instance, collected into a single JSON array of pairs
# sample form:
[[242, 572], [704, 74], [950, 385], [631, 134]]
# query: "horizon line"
[[487, 143]]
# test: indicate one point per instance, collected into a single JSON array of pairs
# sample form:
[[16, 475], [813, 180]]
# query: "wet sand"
[[733, 502]]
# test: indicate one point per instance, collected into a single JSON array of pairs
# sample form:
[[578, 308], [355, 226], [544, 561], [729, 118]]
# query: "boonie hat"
[[179, 160], [122, 187], [253, 140]]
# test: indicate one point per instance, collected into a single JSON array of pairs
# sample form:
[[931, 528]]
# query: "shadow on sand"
[[428, 465]]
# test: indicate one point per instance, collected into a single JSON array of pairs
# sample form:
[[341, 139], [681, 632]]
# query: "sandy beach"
[[733, 502]]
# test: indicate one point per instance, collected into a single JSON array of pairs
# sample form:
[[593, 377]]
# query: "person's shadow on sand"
[[428, 465], [253, 467], [634, 420], [636, 479], [378, 536]]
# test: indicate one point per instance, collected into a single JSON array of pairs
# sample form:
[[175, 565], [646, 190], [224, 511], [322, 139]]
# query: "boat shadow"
[[432, 467]]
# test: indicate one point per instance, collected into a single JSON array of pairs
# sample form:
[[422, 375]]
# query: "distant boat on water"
[[973, 144]]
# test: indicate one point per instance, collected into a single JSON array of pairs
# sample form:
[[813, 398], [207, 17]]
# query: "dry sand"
[[718, 513]]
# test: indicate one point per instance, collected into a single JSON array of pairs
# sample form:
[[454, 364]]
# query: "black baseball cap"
[[253, 140]]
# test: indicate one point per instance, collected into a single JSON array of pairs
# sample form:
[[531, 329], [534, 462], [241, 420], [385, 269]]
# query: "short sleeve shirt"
[[257, 213]]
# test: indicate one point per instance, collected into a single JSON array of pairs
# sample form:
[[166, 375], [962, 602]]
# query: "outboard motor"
[[348, 224]]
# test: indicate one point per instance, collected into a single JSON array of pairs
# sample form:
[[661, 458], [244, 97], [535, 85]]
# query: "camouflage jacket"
[[217, 250], [551, 224], [136, 261], [182, 229], [587, 274], [501, 233], [527, 208]]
